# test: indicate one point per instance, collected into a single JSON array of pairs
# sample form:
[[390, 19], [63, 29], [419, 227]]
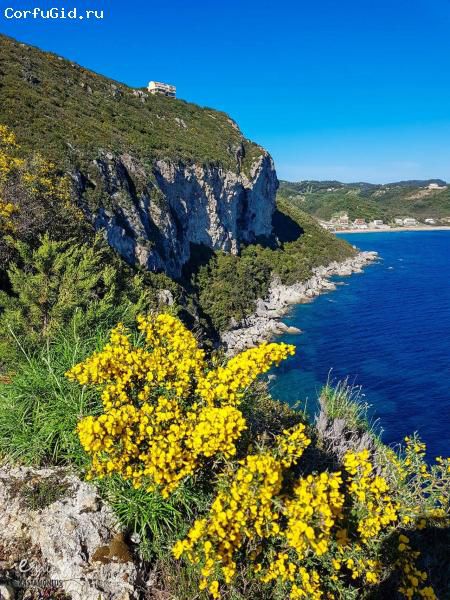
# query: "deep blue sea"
[[387, 330]]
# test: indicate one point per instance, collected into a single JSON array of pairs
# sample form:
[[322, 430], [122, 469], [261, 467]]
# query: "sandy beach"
[[416, 228]]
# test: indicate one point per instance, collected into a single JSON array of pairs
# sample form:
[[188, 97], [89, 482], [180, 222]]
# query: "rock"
[[165, 297], [6, 592], [76, 536], [140, 94], [178, 205], [283, 328]]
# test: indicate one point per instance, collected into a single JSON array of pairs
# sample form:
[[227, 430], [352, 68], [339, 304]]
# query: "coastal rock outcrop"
[[155, 174], [265, 323]]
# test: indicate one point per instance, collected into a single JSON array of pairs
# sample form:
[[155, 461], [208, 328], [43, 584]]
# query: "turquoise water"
[[387, 330]]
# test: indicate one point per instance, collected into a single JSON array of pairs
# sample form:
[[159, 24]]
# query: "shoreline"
[[265, 322], [393, 229]]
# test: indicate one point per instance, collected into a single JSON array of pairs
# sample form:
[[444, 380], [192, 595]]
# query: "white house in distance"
[[340, 219], [436, 186], [165, 89], [409, 221], [360, 224]]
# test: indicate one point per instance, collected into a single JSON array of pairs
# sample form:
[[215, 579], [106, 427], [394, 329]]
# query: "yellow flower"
[[164, 413]]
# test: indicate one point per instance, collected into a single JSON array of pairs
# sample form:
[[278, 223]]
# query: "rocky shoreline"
[[265, 322]]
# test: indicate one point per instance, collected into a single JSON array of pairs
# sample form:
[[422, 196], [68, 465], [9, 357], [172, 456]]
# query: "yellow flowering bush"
[[315, 508], [164, 412], [9, 165], [242, 512], [317, 535], [34, 195], [371, 494], [300, 528], [226, 384]]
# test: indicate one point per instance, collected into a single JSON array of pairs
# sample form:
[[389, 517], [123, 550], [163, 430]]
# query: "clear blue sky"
[[352, 90]]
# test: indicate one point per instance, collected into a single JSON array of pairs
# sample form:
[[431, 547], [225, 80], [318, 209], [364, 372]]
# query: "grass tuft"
[[344, 400], [40, 408], [155, 523]]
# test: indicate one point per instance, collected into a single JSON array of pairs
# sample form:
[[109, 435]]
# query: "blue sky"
[[349, 90]]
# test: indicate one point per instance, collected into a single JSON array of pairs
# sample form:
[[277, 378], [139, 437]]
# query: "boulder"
[[75, 536]]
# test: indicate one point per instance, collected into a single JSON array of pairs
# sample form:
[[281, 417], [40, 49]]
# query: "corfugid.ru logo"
[[37, 13]]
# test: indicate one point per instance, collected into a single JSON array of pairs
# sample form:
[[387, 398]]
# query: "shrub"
[[263, 515], [228, 287], [35, 198], [61, 284], [165, 414], [313, 536]]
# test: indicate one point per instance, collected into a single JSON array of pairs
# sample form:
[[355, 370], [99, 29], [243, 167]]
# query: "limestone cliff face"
[[152, 214]]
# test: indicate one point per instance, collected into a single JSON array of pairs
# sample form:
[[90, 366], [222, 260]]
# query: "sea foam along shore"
[[265, 322]]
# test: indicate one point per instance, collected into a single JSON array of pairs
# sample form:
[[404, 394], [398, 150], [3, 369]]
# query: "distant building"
[[436, 186], [398, 221], [165, 89], [377, 222], [409, 221], [430, 221], [360, 224]]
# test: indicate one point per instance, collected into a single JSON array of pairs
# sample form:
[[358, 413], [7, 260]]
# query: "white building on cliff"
[[165, 89]]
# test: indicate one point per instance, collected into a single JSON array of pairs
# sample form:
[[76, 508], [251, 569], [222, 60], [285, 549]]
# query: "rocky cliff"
[[178, 205], [155, 174]]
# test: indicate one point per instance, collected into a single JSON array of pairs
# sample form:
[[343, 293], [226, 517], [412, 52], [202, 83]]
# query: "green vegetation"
[[323, 199], [62, 282], [75, 112], [154, 521], [217, 446], [39, 409], [379, 531], [343, 401], [227, 286]]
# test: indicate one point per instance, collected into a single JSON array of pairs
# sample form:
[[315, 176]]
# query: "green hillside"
[[71, 112], [63, 112], [323, 199]]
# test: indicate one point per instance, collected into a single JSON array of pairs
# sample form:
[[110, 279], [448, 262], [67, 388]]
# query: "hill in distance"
[[415, 198]]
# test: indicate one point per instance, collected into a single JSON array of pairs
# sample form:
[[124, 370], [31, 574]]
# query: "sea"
[[386, 330]]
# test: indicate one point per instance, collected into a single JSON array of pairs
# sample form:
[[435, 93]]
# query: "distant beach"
[[396, 229]]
